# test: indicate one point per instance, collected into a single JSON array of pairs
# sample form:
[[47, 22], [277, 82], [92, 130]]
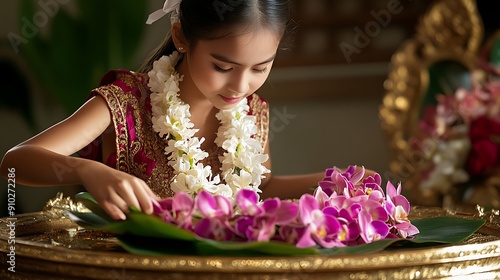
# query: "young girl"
[[140, 135]]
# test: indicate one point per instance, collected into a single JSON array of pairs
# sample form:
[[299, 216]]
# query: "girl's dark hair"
[[215, 19]]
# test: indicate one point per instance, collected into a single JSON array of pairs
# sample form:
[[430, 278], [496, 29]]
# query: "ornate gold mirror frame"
[[451, 30]]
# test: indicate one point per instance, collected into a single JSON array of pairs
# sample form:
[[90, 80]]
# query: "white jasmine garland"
[[242, 159]]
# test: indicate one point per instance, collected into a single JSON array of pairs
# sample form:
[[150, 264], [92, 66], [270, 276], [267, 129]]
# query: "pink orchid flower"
[[336, 180], [398, 208], [371, 187], [371, 230], [213, 206], [177, 209], [349, 230], [406, 229], [215, 229], [260, 228], [320, 228], [262, 225], [247, 201], [217, 210]]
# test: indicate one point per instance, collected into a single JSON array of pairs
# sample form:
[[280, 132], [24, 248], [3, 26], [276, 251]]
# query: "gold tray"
[[50, 246]]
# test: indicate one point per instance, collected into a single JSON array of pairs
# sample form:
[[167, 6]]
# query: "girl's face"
[[229, 69]]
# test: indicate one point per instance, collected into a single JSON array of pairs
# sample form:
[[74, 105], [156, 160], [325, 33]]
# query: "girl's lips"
[[230, 100]]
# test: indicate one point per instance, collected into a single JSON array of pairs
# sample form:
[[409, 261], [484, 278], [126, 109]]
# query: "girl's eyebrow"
[[227, 60]]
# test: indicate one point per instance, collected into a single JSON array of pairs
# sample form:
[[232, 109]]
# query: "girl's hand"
[[116, 191]]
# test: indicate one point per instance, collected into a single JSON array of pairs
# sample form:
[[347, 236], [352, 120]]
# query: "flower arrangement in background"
[[461, 135], [344, 210]]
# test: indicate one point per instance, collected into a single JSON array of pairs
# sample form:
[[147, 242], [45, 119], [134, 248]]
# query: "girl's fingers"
[[114, 211], [136, 193], [120, 202], [144, 196], [128, 194]]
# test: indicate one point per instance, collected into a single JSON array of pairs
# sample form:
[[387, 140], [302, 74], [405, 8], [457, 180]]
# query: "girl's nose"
[[239, 84]]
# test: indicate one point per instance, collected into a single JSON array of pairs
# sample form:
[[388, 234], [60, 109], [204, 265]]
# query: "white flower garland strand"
[[242, 160]]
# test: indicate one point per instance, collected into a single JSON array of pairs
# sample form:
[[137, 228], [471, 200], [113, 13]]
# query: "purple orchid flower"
[[349, 230], [177, 209], [163, 207], [260, 228], [247, 201], [406, 229], [291, 233], [284, 211], [333, 182], [320, 228], [217, 211], [396, 205], [182, 209], [371, 187], [213, 206], [259, 222], [394, 199], [371, 230], [373, 182], [398, 208], [336, 180], [333, 200], [215, 229], [376, 210], [354, 175]]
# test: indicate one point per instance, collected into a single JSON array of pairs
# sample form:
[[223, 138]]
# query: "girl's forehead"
[[245, 48]]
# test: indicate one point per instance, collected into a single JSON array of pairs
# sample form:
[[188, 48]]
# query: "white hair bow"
[[169, 6]]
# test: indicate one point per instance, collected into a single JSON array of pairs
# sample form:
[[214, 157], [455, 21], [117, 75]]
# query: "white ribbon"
[[169, 6]]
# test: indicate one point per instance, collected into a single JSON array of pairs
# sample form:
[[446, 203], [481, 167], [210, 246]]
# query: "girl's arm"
[[45, 160], [291, 186]]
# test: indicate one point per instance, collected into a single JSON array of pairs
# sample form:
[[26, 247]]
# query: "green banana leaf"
[[147, 235]]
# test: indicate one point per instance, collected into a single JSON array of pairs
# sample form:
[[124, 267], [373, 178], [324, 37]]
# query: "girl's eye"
[[222, 70], [261, 71]]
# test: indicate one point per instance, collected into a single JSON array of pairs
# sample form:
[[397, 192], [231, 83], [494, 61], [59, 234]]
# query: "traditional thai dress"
[[139, 149]]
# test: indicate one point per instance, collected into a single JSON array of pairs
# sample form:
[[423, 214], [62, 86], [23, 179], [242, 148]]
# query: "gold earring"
[[181, 49]]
